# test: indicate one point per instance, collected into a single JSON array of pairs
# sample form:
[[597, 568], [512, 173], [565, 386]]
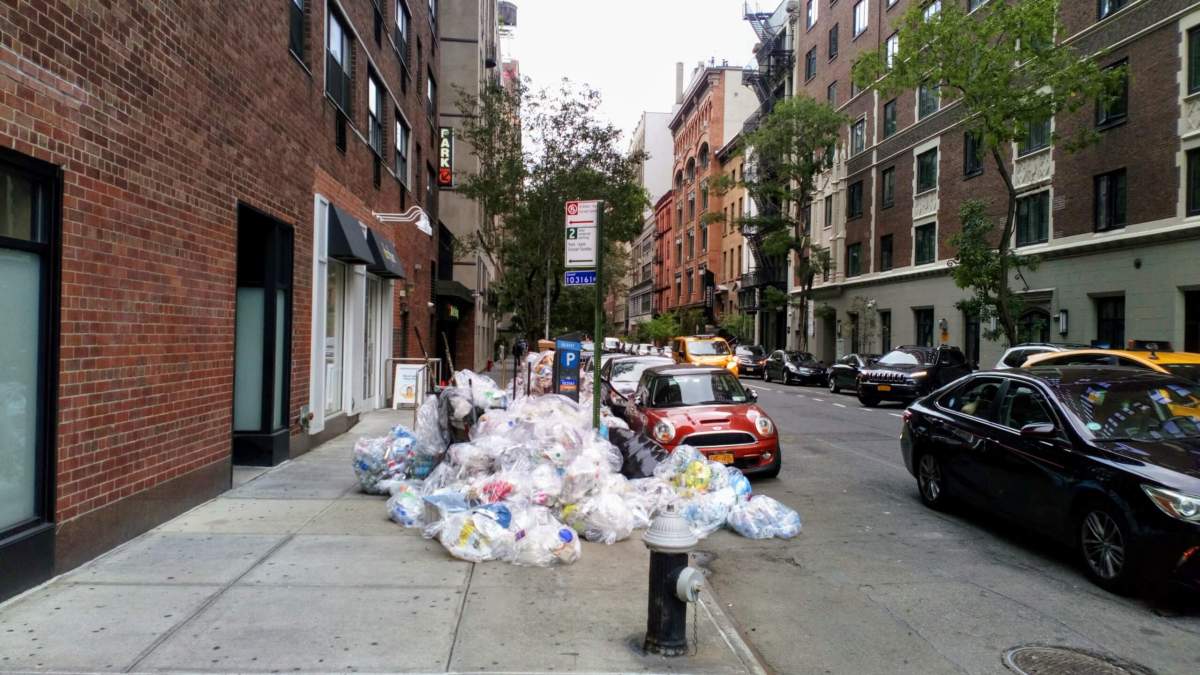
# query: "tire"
[[931, 481], [1107, 547], [868, 400], [833, 385], [766, 375]]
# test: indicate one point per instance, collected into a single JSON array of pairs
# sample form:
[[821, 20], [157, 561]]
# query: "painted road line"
[[840, 405], [818, 399], [894, 414]]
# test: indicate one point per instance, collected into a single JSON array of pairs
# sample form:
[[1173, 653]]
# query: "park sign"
[[580, 238]]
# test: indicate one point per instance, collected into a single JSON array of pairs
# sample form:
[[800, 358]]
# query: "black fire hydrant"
[[673, 583]]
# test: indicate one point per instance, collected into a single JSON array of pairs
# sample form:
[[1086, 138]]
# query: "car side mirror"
[[1039, 430], [752, 395]]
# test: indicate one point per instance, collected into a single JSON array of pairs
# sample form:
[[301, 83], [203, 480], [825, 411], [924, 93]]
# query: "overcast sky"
[[628, 48]]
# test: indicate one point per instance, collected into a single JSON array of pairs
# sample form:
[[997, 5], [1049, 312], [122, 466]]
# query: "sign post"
[[583, 250], [598, 333]]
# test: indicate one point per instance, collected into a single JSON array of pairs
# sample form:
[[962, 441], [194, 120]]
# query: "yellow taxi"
[[704, 350], [1141, 354]]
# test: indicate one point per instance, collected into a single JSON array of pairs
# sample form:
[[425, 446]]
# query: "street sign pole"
[[598, 337]]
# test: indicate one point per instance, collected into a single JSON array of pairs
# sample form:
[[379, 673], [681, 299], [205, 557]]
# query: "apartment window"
[[854, 200], [1033, 219], [678, 287], [929, 98], [885, 253], [1112, 112], [932, 9], [889, 118], [703, 156], [678, 250], [296, 24], [860, 17], [691, 244], [923, 320], [810, 64], [402, 31], [1193, 62], [402, 139], [892, 48], [375, 114], [806, 218], [1037, 136], [703, 238], [1110, 322], [972, 154], [858, 137], [811, 13], [927, 170], [1193, 182], [853, 260], [338, 68], [973, 5], [1110, 200], [888, 178], [833, 42], [831, 94], [925, 243], [1109, 7], [430, 94], [829, 211], [691, 206], [691, 284], [704, 197]]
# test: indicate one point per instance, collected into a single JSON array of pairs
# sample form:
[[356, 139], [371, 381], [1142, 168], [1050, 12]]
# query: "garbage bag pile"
[[523, 481]]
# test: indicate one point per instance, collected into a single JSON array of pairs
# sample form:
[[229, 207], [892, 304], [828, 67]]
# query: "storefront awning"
[[455, 291], [348, 238], [385, 262]]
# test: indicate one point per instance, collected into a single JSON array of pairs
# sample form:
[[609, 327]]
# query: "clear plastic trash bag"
[[762, 518]]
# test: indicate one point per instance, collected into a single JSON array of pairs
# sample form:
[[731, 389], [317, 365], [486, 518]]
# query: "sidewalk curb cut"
[[730, 632]]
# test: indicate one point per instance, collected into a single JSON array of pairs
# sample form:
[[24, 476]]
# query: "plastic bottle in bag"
[[763, 517]]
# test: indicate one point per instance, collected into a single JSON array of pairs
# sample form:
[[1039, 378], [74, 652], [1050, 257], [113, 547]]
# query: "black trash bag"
[[639, 452]]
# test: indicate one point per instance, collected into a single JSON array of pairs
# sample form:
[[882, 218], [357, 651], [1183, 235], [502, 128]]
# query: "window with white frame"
[[892, 48], [927, 170], [403, 133], [932, 9], [861, 10], [811, 14], [858, 137]]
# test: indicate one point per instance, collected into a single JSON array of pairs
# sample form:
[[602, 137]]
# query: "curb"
[[731, 633]]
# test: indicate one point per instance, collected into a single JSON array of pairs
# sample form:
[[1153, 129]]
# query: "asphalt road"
[[877, 583]]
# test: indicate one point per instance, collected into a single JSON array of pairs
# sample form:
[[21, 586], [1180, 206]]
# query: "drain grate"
[[1052, 660]]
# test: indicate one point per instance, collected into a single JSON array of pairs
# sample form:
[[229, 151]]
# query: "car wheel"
[[833, 385], [868, 400], [931, 481], [1107, 546], [766, 375]]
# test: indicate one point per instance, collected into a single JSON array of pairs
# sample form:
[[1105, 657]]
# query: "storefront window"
[[334, 316], [20, 277]]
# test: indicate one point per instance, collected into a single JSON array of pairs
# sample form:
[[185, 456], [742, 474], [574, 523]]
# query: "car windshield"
[[799, 357], [700, 389], [631, 370], [707, 348], [907, 357], [752, 350], [1188, 371], [1138, 411]]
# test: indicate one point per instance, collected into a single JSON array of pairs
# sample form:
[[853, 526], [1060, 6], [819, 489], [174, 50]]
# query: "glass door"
[[335, 316], [371, 341]]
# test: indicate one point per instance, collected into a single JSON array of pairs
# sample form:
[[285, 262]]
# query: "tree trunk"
[[1007, 321]]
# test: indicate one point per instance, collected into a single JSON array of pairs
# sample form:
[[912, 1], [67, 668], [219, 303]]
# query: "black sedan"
[[788, 367], [751, 360], [1104, 459], [619, 379], [844, 373]]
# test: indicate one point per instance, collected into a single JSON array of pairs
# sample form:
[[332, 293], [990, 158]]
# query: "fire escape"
[[767, 76]]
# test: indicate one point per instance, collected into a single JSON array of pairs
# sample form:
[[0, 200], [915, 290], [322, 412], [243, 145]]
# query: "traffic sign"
[[579, 278], [580, 237]]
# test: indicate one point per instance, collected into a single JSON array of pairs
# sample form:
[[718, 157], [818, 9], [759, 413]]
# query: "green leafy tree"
[[1003, 66], [784, 154], [739, 325], [662, 328]]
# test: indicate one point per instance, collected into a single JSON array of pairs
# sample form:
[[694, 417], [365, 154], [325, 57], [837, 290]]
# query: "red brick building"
[[711, 111], [201, 249], [664, 218]]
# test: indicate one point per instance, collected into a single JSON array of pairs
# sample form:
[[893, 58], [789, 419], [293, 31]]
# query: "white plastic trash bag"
[[708, 512], [762, 518]]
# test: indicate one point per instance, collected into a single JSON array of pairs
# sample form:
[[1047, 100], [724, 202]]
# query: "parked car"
[[1161, 359], [751, 360], [1100, 458], [704, 350], [612, 344], [619, 378], [791, 366], [1015, 356], [844, 373], [906, 373], [707, 407]]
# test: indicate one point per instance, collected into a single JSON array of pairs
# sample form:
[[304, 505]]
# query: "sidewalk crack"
[[462, 607]]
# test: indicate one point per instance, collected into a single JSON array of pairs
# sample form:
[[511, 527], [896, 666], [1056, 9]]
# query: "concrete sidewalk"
[[295, 570]]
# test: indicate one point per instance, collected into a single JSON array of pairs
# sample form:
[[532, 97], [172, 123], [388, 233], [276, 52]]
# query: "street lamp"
[[1062, 322]]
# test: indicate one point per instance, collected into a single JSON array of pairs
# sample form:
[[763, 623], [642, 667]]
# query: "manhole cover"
[[1050, 660]]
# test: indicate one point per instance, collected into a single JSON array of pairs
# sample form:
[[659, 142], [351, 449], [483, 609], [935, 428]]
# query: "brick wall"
[[163, 118]]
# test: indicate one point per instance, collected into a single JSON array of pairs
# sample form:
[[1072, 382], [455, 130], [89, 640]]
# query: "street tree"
[[1003, 65], [784, 154]]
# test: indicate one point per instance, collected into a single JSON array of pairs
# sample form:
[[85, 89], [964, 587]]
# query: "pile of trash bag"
[[524, 480]]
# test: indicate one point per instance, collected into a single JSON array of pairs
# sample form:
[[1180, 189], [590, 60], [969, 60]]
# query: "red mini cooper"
[[706, 407]]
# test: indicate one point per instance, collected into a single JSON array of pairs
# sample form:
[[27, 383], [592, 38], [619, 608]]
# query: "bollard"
[[673, 583]]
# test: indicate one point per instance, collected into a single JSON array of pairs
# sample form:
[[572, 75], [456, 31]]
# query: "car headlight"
[[664, 431], [731, 364], [1174, 504], [791, 367], [764, 426], [919, 374]]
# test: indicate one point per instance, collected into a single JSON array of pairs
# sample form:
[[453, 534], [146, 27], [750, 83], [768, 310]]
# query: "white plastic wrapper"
[[406, 508], [762, 518], [605, 518], [541, 540], [485, 393], [708, 512], [480, 534]]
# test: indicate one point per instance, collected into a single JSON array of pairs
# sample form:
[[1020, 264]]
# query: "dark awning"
[[348, 238], [455, 291], [386, 263]]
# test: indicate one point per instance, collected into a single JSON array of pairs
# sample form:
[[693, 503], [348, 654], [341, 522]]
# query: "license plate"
[[722, 457], [884, 387]]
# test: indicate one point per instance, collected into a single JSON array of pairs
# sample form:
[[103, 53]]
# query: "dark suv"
[[906, 373]]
